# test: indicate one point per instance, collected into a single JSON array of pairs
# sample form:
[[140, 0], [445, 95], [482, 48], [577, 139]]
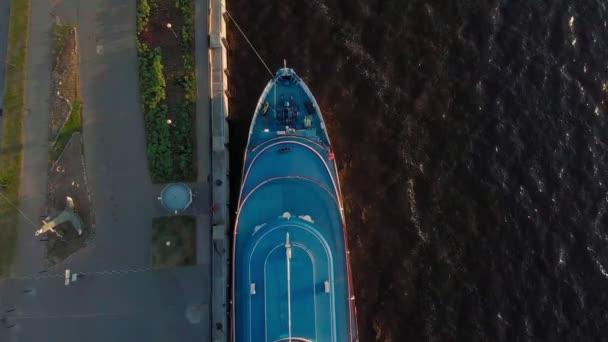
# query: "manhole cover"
[[194, 313]]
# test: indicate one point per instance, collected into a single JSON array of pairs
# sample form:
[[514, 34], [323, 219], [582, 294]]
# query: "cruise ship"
[[291, 278]]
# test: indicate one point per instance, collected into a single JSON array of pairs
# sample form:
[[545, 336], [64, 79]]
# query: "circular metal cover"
[[176, 197]]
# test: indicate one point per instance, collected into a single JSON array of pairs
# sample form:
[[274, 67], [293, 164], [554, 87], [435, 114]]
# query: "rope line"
[[288, 255], [13, 316], [247, 39], [19, 210], [85, 273]]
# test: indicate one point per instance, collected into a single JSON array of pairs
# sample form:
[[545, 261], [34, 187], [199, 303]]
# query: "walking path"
[[165, 305], [220, 168], [124, 198], [203, 126], [32, 199]]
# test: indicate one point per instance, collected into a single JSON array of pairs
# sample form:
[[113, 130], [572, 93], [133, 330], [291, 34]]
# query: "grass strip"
[[11, 150], [60, 37], [71, 126], [174, 241]]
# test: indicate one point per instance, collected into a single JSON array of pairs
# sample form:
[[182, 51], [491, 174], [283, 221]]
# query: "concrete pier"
[[218, 64]]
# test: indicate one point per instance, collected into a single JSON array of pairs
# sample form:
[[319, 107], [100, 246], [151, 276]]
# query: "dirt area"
[[64, 78], [174, 241], [66, 175], [68, 178]]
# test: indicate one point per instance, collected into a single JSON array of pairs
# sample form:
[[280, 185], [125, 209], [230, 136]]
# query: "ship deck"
[[291, 275], [287, 102], [309, 221], [305, 270]]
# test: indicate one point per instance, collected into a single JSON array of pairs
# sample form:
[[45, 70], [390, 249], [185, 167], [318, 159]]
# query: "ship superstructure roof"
[[291, 272]]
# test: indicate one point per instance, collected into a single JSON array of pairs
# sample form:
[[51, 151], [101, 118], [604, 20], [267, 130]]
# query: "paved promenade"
[[137, 305], [32, 199]]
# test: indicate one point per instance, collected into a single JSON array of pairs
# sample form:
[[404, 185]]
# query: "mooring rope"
[[249, 42], [19, 210]]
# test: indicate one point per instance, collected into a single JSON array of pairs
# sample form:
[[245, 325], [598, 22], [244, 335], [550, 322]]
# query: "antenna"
[[288, 252]]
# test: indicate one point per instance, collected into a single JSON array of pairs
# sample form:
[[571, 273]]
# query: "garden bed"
[[174, 241], [168, 88]]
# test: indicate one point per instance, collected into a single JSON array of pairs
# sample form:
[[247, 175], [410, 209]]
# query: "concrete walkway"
[[165, 305], [203, 129], [138, 304], [203, 146], [32, 199], [220, 169], [203, 103], [123, 196]]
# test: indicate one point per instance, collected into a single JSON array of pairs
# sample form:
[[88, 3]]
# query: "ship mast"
[[288, 253]]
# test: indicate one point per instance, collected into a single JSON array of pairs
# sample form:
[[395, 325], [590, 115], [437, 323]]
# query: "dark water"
[[472, 143]]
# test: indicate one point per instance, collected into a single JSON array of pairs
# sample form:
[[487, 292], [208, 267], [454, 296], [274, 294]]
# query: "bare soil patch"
[[67, 177], [64, 78]]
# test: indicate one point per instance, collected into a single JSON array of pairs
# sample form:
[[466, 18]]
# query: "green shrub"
[[158, 136], [184, 135], [143, 14], [158, 145], [169, 147], [183, 139], [72, 125], [187, 32], [189, 79], [152, 80]]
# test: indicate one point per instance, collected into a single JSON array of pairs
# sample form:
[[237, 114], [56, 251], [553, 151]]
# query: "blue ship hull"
[[291, 276]]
